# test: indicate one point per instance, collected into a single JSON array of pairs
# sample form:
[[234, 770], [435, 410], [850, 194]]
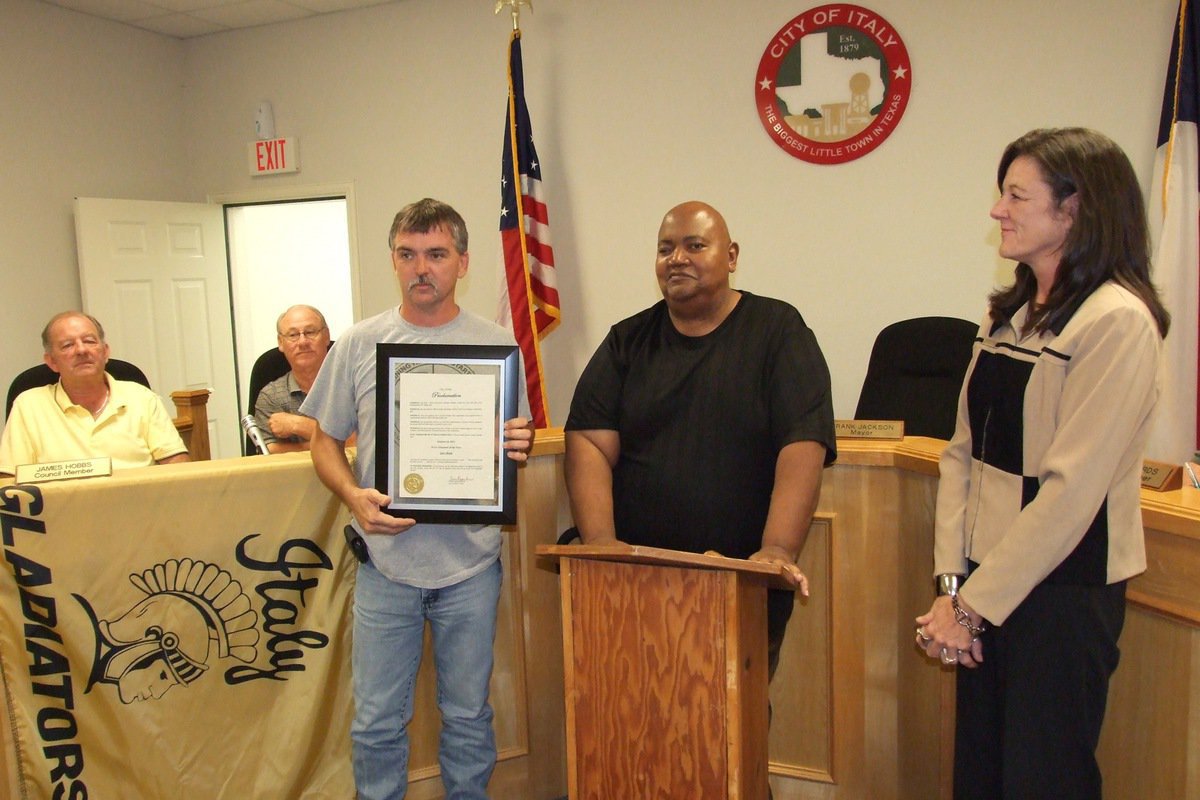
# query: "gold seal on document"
[[413, 483]]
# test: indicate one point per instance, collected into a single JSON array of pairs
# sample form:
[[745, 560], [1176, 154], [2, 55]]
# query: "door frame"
[[284, 194]]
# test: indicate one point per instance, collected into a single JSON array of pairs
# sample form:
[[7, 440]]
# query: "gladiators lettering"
[[282, 600], [49, 670]]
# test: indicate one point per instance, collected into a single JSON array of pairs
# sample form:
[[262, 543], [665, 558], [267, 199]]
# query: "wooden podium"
[[665, 672]]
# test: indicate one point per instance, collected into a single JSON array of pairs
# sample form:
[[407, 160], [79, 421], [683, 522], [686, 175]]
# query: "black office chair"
[[915, 373], [42, 375], [268, 367], [569, 536]]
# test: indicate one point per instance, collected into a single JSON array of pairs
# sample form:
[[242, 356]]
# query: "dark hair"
[[426, 215], [1108, 239], [46, 343]]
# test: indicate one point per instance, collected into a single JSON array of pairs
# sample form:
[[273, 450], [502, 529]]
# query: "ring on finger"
[[948, 657]]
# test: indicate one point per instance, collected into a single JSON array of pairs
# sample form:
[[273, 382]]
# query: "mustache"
[[421, 281]]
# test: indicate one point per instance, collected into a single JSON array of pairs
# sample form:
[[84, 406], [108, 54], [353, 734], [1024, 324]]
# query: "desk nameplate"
[[1158, 476], [890, 429], [64, 470]]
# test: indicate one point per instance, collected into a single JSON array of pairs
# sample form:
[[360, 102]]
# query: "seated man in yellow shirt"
[[88, 413]]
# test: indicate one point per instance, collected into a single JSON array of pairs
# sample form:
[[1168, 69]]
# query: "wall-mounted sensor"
[[264, 121]]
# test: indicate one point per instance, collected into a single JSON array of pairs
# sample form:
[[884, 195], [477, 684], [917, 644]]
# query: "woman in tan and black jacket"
[[1038, 511]]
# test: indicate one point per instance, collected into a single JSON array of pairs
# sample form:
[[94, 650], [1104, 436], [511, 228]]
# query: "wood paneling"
[[802, 695], [890, 711], [1144, 748], [746, 679], [666, 673], [874, 701], [647, 672]]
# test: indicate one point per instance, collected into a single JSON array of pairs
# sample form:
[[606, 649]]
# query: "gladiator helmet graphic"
[[193, 614]]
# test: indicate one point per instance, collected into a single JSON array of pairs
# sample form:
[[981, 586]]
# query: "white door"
[[282, 253], [155, 274]]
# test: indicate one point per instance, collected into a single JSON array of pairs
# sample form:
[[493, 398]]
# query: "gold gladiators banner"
[[179, 631]]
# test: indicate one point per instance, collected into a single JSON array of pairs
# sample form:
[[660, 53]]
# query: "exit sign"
[[272, 156]]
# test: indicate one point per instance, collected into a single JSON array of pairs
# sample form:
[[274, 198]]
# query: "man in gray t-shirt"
[[446, 575]]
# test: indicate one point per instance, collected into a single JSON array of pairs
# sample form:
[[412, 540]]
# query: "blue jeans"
[[389, 625]]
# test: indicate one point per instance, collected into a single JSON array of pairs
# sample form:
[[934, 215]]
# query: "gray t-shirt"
[[342, 400]]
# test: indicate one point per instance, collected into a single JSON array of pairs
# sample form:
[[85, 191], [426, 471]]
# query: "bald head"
[[695, 260], [299, 312], [700, 214], [304, 341]]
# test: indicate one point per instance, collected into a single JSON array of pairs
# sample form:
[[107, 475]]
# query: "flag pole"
[[515, 8], [529, 290]]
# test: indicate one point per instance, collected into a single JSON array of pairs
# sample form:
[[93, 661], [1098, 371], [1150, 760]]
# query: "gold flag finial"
[[515, 8]]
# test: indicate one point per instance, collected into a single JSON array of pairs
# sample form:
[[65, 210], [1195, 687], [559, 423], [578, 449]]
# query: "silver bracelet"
[[948, 583], [963, 618]]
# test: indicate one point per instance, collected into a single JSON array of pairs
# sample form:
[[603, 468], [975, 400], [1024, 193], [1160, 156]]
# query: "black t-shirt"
[[702, 420]]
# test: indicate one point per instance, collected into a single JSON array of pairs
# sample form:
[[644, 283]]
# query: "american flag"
[[529, 300], [1175, 226]]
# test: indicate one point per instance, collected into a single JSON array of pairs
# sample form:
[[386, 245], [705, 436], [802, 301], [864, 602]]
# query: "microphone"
[[250, 425]]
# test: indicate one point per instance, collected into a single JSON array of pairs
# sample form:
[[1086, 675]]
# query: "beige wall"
[[636, 105], [87, 108]]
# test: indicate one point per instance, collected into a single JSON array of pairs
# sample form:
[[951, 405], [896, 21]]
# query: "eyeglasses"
[[295, 336]]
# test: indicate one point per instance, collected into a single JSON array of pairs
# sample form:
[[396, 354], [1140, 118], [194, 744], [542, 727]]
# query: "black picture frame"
[[434, 403]]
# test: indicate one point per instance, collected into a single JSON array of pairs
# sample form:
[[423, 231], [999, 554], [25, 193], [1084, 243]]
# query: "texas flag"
[[1174, 210]]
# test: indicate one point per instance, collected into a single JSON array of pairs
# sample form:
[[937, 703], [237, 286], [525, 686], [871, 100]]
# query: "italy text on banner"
[[177, 631], [1175, 228], [530, 300]]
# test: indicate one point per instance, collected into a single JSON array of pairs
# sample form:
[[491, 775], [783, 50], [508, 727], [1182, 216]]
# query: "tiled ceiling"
[[184, 19]]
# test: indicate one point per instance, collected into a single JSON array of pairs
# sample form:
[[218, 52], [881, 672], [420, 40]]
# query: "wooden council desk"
[[858, 713], [883, 727]]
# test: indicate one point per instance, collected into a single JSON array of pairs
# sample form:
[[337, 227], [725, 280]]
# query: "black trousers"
[[780, 603], [1029, 716]]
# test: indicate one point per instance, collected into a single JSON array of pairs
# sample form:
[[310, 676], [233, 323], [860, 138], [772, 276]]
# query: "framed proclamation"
[[440, 429]]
